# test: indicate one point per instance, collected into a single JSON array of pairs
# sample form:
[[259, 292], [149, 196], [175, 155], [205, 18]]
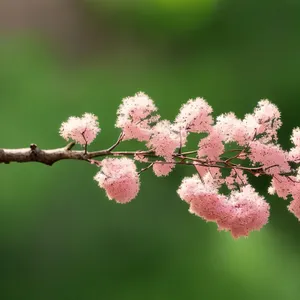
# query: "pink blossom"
[[282, 186], [295, 138], [271, 190], [195, 116], [82, 130], [272, 158], [140, 157], [165, 139], [119, 178], [211, 146], [267, 116], [294, 206], [294, 190], [232, 129], [188, 190], [203, 170], [162, 169], [135, 117], [242, 212], [294, 155], [251, 125], [247, 211], [212, 175], [264, 123], [226, 125], [203, 198], [236, 178], [209, 206]]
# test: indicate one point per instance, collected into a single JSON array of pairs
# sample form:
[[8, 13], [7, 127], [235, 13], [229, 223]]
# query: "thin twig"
[[146, 168], [119, 140], [85, 145], [70, 146]]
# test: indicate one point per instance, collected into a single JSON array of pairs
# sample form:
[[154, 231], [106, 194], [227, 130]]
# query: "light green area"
[[61, 238]]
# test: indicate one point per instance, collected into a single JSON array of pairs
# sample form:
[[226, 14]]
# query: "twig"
[[146, 168], [119, 140]]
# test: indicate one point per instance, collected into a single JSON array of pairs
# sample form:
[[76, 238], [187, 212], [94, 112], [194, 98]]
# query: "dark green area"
[[61, 238]]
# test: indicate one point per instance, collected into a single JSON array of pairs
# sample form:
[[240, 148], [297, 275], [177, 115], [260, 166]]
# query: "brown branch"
[[49, 157]]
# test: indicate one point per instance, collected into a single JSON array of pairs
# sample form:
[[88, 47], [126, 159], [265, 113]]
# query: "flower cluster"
[[119, 178], [229, 151], [243, 211], [82, 130]]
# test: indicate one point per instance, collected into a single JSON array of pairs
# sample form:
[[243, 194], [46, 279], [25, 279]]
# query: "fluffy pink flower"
[[135, 117], [210, 175], [285, 186], [119, 178], [295, 138], [247, 211], [162, 169], [211, 146], [165, 139], [242, 212], [294, 155], [209, 206], [272, 158], [282, 186], [188, 190], [251, 125], [195, 116], [236, 178], [267, 116], [263, 124], [203, 198], [140, 157], [294, 206], [232, 129], [82, 130], [226, 125]]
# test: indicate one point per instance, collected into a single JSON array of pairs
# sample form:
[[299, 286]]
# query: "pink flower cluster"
[[240, 213], [135, 116], [119, 178], [82, 130], [230, 151]]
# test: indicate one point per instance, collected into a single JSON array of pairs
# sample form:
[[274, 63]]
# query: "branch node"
[[33, 147]]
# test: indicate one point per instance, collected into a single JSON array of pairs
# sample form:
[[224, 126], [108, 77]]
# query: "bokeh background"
[[60, 237]]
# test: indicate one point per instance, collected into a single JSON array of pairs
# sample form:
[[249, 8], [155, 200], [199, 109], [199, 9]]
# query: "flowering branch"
[[49, 157], [253, 150]]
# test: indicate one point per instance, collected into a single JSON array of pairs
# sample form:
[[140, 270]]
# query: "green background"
[[60, 237]]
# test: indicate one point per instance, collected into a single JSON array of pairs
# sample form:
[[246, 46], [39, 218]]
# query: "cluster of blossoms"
[[230, 150]]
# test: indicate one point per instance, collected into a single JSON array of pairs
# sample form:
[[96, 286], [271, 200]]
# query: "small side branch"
[[119, 140]]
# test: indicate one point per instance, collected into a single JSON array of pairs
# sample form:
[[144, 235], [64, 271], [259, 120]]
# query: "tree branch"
[[49, 157]]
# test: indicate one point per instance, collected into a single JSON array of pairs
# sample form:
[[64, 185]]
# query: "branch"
[[49, 157]]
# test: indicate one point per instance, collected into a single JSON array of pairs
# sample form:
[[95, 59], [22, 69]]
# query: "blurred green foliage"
[[60, 236], [170, 17]]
